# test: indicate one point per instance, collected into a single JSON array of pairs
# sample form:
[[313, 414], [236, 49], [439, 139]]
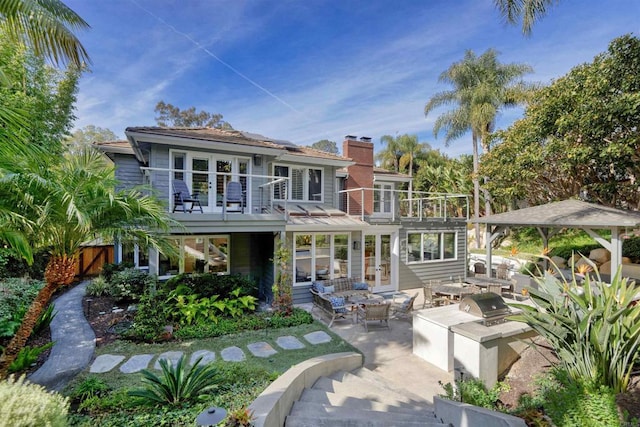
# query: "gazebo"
[[553, 216]]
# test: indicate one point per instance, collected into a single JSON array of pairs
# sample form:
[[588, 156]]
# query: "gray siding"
[[128, 171], [416, 274]]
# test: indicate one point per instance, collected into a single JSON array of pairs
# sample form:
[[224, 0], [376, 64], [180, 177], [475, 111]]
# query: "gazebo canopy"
[[565, 214]]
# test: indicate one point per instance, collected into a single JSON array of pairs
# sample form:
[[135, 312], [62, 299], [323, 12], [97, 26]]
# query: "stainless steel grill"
[[488, 306]]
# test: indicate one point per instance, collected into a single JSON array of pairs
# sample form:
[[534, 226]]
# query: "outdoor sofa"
[[331, 296]]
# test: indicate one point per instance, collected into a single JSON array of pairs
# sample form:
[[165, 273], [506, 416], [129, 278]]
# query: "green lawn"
[[239, 382]]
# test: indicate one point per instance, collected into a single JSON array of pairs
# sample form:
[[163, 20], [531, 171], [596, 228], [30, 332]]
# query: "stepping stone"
[[233, 354], [207, 357], [136, 363], [289, 343], [105, 363], [317, 337], [261, 349], [171, 356]]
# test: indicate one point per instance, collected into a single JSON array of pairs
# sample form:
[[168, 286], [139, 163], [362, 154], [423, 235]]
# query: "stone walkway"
[[138, 362]]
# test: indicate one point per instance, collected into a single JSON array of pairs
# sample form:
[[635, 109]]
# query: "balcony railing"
[[268, 194], [393, 205], [211, 190]]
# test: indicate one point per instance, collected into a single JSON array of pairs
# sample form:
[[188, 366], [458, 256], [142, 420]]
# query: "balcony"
[[264, 200], [376, 205]]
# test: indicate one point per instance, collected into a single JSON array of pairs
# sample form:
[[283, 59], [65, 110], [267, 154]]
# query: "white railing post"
[[445, 207], [362, 204]]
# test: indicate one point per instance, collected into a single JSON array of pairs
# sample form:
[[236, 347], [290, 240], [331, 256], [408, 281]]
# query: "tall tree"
[[481, 87], [43, 93], [389, 156], [47, 27], [69, 201], [172, 116], [88, 135], [326, 146], [529, 11], [579, 136]]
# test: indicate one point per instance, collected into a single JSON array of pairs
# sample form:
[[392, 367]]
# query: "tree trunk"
[[476, 190], [60, 271]]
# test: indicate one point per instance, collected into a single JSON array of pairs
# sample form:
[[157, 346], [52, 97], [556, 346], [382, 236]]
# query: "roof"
[[567, 213], [235, 137], [121, 147], [382, 174]]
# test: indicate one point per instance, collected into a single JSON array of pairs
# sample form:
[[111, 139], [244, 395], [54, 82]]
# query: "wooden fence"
[[92, 258]]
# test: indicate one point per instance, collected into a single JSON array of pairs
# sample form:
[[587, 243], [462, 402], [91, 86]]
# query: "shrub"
[[177, 383], [12, 265], [44, 320], [209, 284], [594, 329], [98, 287], [109, 269], [130, 284], [631, 248], [241, 417], [26, 404], [474, 392], [27, 356], [570, 402], [16, 293], [149, 321], [89, 387]]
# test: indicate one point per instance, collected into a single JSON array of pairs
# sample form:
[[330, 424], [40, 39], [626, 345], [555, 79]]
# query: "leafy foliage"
[[594, 328], [210, 284], [130, 284], [27, 356], [45, 319], [150, 319], [15, 297], [474, 392], [241, 417], [90, 387], [13, 265], [23, 404], [249, 322], [98, 287], [326, 146], [109, 269], [172, 116], [178, 383], [579, 136], [187, 308]]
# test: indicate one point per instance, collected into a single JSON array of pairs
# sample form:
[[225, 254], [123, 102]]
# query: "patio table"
[[453, 291]]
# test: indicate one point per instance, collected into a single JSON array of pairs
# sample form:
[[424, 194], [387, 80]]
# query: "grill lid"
[[484, 305]]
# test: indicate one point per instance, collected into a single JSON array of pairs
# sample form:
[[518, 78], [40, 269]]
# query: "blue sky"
[[305, 70]]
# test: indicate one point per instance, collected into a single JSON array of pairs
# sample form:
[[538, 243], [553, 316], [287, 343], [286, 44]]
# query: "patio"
[[389, 352]]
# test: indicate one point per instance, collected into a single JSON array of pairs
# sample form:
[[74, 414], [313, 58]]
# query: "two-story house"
[[338, 215]]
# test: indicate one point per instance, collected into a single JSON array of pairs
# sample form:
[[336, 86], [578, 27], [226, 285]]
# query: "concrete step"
[[368, 380], [333, 399], [368, 374], [310, 409], [361, 389], [298, 421]]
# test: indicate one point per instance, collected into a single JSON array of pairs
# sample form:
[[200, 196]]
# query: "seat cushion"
[[338, 302], [361, 286]]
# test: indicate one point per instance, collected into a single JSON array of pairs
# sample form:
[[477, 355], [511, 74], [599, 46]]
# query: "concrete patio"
[[389, 353]]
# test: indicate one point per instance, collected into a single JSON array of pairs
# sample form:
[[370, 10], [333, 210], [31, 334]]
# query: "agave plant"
[[177, 383], [594, 328]]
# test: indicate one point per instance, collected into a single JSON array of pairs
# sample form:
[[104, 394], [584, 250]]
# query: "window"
[[321, 256], [424, 247], [305, 183], [134, 255], [382, 198], [199, 254]]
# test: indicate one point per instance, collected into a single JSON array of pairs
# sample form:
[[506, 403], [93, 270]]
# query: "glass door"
[[377, 262], [200, 183]]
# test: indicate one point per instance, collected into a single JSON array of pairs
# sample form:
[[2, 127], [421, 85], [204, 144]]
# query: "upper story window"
[[305, 184], [382, 198], [425, 247]]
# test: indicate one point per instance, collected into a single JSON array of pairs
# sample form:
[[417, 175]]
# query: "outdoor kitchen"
[[473, 337]]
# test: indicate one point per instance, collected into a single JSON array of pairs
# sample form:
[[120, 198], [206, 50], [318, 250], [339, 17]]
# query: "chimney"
[[360, 174]]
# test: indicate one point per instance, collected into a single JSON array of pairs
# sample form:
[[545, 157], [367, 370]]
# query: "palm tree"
[[482, 86], [47, 27], [389, 157], [70, 201], [529, 11]]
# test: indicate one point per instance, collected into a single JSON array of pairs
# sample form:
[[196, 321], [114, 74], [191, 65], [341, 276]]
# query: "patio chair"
[[430, 300], [182, 196], [495, 288], [234, 195], [371, 312], [404, 308]]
